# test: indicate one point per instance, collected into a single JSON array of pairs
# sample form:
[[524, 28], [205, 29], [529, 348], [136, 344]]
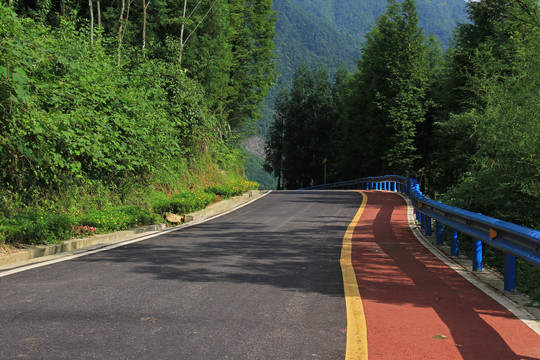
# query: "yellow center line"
[[357, 348]]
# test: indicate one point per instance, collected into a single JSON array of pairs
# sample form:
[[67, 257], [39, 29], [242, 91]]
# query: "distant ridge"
[[332, 31]]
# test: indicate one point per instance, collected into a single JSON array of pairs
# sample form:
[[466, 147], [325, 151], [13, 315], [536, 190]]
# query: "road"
[[263, 282], [416, 307]]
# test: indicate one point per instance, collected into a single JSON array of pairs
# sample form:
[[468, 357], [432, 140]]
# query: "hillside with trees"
[[465, 123], [331, 33], [109, 103]]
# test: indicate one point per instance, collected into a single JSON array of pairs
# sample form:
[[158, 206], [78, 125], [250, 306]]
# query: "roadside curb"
[[41, 253]]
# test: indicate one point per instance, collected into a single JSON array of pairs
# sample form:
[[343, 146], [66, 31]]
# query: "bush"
[[118, 218], [184, 203], [31, 227], [233, 188]]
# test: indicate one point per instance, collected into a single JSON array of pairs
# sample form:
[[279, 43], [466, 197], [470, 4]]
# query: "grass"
[[44, 226]]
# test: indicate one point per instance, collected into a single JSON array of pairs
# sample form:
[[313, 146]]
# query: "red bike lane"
[[415, 306]]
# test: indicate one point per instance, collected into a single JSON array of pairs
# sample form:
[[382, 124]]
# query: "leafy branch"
[[184, 19]]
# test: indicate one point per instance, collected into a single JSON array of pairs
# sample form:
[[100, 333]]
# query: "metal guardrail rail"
[[513, 240]]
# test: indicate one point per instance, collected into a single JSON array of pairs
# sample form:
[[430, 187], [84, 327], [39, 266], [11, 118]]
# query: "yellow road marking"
[[357, 348]]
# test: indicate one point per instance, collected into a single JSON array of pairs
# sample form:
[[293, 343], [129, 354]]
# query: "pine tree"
[[299, 140], [390, 91]]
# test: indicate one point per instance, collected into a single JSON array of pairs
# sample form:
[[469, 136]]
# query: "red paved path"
[[412, 299]]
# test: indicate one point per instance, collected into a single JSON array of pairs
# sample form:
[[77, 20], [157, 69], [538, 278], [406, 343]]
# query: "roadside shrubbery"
[[232, 189], [190, 201], [184, 202], [32, 227]]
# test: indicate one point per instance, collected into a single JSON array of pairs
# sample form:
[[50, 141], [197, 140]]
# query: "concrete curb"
[[47, 252]]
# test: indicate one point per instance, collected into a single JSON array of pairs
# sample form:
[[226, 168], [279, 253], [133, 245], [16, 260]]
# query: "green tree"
[[275, 141], [505, 161], [299, 140], [455, 137], [389, 92], [253, 66]]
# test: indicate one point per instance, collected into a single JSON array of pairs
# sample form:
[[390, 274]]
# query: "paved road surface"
[[263, 282], [416, 307]]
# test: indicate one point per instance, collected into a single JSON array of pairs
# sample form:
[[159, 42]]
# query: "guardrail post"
[[454, 243], [439, 229], [477, 255], [428, 226], [509, 273]]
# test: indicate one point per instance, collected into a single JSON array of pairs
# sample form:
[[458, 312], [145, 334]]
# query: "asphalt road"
[[263, 282]]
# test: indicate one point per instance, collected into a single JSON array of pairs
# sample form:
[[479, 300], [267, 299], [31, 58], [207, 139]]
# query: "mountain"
[[331, 32]]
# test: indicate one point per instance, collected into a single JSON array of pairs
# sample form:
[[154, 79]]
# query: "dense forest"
[[331, 32], [465, 122], [118, 97]]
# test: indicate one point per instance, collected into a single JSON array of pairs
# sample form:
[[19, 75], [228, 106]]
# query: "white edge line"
[[127, 242], [520, 313]]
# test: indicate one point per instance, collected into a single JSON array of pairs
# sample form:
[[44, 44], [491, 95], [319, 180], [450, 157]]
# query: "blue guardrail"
[[513, 240]]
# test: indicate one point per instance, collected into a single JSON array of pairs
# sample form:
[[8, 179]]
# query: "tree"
[[253, 69], [389, 93], [505, 161], [185, 19], [493, 28], [274, 145], [299, 138]]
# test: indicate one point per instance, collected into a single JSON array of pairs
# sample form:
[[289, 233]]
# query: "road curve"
[[415, 306], [263, 282]]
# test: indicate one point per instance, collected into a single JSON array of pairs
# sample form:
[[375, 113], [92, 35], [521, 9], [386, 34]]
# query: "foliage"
[[187, 202], [383, 112], [230, 189], [255, 171], [331, 32], [117, 218], [299, 140], [31, 227], [492, 125]]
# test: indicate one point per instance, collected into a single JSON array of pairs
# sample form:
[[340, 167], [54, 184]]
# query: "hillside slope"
[[332, 31]]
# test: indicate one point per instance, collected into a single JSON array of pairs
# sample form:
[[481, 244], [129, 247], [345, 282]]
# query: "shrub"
[[184, 203], [233, 188], [117, 218], [31, 227]]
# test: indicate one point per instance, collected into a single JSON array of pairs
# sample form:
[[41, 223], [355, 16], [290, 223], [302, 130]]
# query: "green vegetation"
[[32, 227], [331, 32], [105, 106], [255, 171], [465, 122]]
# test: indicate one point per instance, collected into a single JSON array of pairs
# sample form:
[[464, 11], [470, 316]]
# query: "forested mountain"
[[332, 31]]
